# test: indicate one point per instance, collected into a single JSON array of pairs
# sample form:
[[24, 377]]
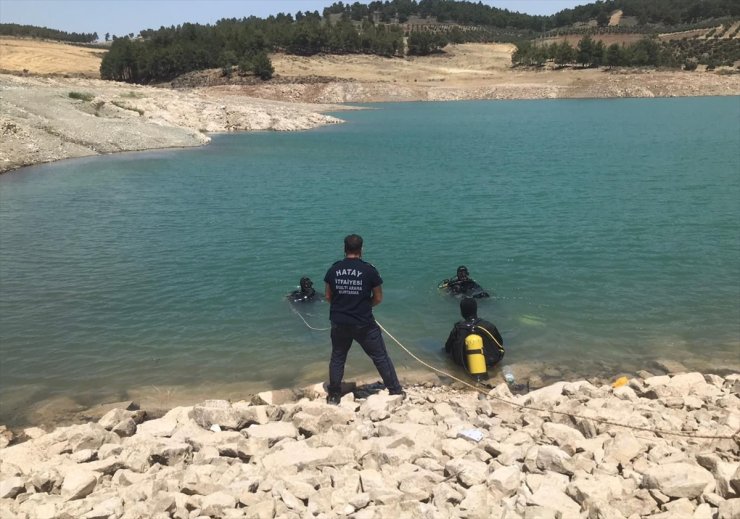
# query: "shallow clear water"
[[607, 230]]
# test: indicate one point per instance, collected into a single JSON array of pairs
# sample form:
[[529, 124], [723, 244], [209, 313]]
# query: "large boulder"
[[679, 480]]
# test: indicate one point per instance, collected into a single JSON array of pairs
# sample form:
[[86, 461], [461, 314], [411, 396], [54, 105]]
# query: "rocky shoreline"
[[659, 446], [48, 119]]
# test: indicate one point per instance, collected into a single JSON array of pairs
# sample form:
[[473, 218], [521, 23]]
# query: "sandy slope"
[[47, 57]]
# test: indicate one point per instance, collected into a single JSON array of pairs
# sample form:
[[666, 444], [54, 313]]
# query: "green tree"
[[585, 51], [107, 36], [262, 66], [564, 53], [422, 43], [226, 61], [613, 55]]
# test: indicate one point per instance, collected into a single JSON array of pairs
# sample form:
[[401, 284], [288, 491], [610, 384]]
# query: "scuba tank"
[[475, 361]]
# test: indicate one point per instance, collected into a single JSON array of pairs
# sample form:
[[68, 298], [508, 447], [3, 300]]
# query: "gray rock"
[[114, 417], [564, 436], [703, 511], [125, 428], [542, 512], [300, 455], [477, 505], [217, 412], [170, 453], [623, 448], [735, 481], [556, 500], [11, 487], [111, 507], [275, 397], [598, 489], [468, 473], [379, 406], [668, 366], [505, 482], [550, 458], [679, 480], [272, 432], [686, 383], [78, 483], [729, 509], [722, 471]]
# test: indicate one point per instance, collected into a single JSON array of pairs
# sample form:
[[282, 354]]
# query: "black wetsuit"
[[465, 288], [304, 296], [455, 345]]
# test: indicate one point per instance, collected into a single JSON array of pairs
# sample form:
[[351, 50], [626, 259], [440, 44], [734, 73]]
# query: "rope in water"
[[306, 322], [551, 411]]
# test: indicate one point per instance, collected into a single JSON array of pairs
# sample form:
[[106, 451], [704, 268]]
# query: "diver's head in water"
[[462, 273], [468, 308], [306, 284]]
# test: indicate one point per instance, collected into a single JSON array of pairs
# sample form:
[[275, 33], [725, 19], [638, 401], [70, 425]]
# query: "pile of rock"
[[439, 453]]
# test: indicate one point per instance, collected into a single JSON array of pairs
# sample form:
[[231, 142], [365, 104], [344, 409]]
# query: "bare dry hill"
[[471, 61], [39, 57]]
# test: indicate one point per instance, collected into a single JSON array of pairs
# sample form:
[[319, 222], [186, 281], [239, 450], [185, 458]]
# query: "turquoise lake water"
[[607, 230]]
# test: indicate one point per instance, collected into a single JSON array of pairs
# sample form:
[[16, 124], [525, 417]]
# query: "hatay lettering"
[[349, 272], [346, 285]]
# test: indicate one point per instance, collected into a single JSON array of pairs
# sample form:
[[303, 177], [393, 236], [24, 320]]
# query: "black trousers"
[[371, 340]]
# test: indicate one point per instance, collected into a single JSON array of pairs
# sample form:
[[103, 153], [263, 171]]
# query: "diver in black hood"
[[462, 285], [305, 293]]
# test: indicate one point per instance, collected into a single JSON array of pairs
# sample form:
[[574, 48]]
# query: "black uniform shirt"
[[352, 281]]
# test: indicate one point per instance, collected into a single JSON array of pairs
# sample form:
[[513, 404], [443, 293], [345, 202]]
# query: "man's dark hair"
[[353, 244]]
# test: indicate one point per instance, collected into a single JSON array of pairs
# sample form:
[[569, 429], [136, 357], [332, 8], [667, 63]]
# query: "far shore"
[[45, 117]]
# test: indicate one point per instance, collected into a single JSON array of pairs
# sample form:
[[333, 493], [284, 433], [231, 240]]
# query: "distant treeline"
[[30, 31], [168, 52], [463, 13], [648, 52], [659, 12], [375, 28]]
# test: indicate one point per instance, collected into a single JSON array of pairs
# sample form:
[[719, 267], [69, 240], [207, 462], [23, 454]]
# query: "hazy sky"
[[121, 17]]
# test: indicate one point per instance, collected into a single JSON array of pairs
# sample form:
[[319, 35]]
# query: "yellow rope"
[[571, 415]]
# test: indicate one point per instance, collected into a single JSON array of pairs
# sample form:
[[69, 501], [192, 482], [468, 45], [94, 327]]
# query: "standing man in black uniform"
[[353, 287]]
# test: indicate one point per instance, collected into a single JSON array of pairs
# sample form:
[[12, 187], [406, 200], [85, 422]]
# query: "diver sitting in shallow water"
[[493, 343], [305, 293], [462, 285]]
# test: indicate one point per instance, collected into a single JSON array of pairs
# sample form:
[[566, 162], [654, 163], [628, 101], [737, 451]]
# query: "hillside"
[[40, 57]]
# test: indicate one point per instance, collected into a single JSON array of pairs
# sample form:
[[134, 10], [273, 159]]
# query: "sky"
[[122, 17]]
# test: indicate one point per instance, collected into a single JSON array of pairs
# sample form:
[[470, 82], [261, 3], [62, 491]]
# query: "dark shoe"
[[333, 398], [401, 393]]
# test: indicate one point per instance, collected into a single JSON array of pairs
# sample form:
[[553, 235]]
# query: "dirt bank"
[[47, 119], [471, 71]]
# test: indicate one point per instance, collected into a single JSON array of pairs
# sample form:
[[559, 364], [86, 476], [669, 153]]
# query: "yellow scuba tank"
[[475, 361]]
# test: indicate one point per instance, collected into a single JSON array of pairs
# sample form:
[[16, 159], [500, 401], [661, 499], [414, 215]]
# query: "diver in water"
[[493, 343], [462, 285], [305, 293]]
